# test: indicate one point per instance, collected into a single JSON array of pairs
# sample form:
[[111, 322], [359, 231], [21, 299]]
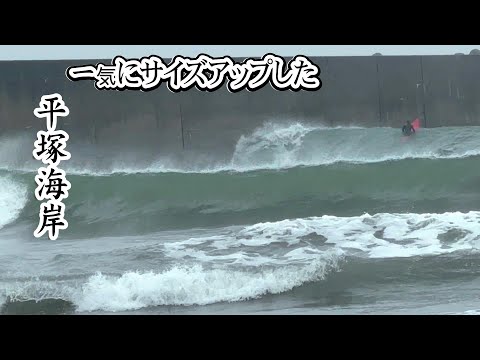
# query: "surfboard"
[[416, 124]]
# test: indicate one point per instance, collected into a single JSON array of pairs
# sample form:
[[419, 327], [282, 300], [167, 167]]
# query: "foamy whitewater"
[[300, 219]]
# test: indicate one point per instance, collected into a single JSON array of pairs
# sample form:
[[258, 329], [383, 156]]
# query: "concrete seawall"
[[365, 91]]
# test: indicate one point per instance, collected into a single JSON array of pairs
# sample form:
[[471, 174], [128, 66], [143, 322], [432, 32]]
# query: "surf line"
[[52, 184]]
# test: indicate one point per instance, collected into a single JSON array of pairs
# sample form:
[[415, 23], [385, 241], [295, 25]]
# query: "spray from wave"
[[184, 286], [13, 197], [193, 286], [254, 261], [249, 262], [272, 146], [279, 147], [16, 152], [378, 236]]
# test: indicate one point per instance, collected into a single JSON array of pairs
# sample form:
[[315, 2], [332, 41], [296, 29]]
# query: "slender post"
[[380, 115], [424, 95], [181, 125]]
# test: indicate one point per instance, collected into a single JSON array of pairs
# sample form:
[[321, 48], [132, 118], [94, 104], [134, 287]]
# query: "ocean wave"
[[273, 146], [180, 286], [13, 198], [253, 261], [144, 203]]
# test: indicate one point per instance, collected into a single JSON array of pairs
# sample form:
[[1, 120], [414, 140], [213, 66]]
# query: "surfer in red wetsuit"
[[408, 129]]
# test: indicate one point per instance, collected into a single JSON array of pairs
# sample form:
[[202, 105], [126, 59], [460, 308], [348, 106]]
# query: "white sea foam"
[[13, 197], [278, 146]]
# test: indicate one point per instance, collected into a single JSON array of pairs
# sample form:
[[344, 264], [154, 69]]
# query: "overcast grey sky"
[[45, 52]]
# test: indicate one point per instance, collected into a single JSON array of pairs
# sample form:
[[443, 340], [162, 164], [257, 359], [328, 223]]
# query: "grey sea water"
[[298, 220]]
